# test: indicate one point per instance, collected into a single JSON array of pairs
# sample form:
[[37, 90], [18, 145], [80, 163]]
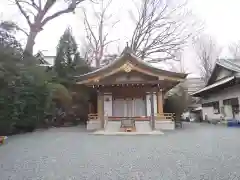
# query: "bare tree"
[[37, 14], [162, 29], [11, 26], [97, 39], [176, 64], [235, 50], [207, 52]]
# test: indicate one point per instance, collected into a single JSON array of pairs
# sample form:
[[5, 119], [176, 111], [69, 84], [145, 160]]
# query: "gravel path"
[[196, 152]]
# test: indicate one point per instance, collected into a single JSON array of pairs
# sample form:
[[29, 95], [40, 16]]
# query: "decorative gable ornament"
[[127, 67], [96, 80]]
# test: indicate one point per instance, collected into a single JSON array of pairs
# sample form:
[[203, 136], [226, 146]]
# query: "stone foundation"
[[159, 125], [164, 125], [93, 125]]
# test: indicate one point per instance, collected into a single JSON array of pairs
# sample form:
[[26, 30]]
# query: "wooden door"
[[139, 107], [129, 108], [118, 107]]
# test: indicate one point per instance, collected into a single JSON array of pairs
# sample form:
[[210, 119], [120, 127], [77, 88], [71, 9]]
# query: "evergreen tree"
[[68, 61]]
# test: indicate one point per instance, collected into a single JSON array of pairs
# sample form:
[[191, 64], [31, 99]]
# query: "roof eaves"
[[226, 63], [183, 75], [223, 81], [101, 68], [221, 62], [140, 61]]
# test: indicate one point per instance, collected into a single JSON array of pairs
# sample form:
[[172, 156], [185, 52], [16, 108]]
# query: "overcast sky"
[[221, 18]]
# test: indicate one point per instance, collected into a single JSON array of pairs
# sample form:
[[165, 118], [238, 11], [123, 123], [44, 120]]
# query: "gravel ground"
[[195, 152]]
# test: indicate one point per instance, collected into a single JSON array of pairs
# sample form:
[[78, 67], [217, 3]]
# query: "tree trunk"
[[98, 63], [97, 59], [30, 43]]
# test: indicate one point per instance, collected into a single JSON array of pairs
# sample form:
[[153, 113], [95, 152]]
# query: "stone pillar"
[[152, 111], [159, 102], [101, 108]]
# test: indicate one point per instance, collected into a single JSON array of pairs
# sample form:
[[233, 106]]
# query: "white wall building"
[[221, 96]]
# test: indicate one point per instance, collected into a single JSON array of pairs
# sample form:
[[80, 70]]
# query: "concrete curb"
[[128, 133]]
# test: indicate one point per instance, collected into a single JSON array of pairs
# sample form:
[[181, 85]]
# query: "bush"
[[27, 90], [24, 126], [22, 105], [24, 94], [60, 93], [178, 102]]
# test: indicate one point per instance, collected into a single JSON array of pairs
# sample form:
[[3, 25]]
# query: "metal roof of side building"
[[229, 64]]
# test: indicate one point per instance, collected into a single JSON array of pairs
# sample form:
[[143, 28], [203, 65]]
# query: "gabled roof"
[[232, 65], [129, 59], [229, 64], [216, 84]]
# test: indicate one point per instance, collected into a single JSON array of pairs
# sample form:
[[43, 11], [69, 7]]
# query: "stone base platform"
[[93, 125], [164, 125], [127, 133]]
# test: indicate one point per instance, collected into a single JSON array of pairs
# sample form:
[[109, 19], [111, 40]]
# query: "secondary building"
[[220, 97]]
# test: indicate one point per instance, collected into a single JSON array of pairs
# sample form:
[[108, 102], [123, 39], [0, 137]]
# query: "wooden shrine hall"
[[129, 88]]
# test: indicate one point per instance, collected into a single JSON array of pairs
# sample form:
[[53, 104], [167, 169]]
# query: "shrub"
[[178, 102], [23, 104]]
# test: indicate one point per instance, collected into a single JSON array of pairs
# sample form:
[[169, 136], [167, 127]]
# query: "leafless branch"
[[161, 30], [22, 30], [24, 13], [207, 52], [39, 4], [234, 49], [49, 18], [97, 36], [12, 26], [36, 14], [31, 3]]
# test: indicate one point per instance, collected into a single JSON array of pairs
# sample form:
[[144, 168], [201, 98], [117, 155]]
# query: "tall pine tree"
[[68, 61]]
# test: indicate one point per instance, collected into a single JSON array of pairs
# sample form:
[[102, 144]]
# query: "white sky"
[[221, 18]]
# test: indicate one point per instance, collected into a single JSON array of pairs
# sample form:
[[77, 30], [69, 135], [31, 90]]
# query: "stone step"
[[113, 126], [143, 126]]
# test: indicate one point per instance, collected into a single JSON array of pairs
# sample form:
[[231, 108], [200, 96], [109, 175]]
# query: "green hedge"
[[22, 105]]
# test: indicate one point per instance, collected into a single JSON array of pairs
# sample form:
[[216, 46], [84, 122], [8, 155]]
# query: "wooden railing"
[[92, 117], [158, 117], [95, 117], [140, 118], [165, 116]]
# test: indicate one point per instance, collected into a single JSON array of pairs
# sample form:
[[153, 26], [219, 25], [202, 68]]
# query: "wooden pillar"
[[100, 105], [152, 110], [89, 107], [145, 102], [159, 102]]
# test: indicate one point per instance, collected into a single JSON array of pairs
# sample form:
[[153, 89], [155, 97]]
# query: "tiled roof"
[[127, 55], [218, 83], [231, 64]]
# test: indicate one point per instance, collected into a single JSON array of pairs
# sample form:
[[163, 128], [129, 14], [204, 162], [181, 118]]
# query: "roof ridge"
[[228, 62], [231, 62]]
